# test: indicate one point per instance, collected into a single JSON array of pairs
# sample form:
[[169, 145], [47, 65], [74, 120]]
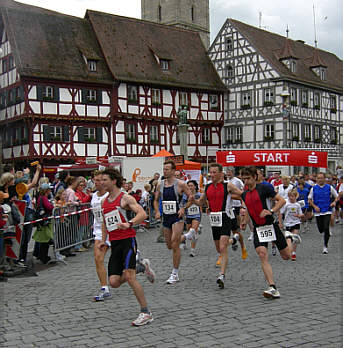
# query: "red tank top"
[[108, 207]]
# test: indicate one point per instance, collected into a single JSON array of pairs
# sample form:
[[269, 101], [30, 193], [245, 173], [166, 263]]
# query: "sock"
[[273, 286], [105, 288], [145, 310], [175, 271]]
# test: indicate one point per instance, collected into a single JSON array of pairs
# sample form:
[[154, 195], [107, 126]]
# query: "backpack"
[[40, 213]]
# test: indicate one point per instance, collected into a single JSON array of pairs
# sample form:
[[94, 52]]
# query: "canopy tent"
[[188, 165]]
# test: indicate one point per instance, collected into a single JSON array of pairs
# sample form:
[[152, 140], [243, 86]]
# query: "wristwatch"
[[131, 224], [272, 211]]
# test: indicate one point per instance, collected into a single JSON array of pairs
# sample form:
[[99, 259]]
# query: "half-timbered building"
[[102, 85], [282, 93]]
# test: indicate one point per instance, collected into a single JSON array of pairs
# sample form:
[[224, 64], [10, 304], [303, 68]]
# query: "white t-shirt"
[[239, 184], [283, 192], [292, 209], [96, 206]]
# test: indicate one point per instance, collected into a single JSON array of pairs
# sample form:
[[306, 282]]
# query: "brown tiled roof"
[[316, 60], [287, 51], [129, 46], [48, 44], [270, 46]]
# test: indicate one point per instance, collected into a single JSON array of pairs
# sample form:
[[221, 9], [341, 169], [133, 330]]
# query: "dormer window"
[[322, 73], [92, 65], [48, 92], [165, 65]]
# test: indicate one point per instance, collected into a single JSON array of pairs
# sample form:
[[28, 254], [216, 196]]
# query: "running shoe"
[[220, 281], [325, 250], [103, 295], [219, 261], [191, 234], [199, 229], [149, 272], [244, 253], [143, 319], [274, 250], [251, 236], [235, 240], [271, 293], [174, 278], [296, 239], [183, 245], [192, 253], [294, 256]]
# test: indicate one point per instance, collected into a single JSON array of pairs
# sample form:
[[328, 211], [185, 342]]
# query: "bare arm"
[[128, 202], [35, 177], [157, 202]]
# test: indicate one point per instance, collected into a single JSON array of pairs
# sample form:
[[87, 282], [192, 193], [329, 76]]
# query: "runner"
[[236, 205], [170, 189], [265, 228], [293, 214], [303, 196], [122, 262], [320, 199], [193, 213], [223, 221]]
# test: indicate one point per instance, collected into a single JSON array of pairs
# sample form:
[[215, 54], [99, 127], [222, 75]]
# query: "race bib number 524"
[[112, 219]]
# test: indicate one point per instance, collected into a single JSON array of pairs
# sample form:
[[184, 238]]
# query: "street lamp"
[[285, 116]]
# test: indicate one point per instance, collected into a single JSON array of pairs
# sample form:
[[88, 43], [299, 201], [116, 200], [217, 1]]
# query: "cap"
[[232, 169], [45, 186]]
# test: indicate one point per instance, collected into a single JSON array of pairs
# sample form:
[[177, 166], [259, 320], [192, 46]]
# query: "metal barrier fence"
[[72, 231], [151, 214]]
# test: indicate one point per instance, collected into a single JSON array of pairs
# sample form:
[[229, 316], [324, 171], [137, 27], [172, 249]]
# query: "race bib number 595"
[[266, 234]]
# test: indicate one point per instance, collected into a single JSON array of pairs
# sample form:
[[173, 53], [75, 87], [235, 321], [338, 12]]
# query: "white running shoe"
[[325, 250], [273, 249], [191, 234], [143, 319], [192, 253], [271, 293], [296, 239], [174, 278], [149, 272], [220, 281]]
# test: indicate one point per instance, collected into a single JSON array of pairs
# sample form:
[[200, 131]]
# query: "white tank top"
[[96, 206]]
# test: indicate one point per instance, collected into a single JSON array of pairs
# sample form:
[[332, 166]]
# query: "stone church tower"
[[188, 14]]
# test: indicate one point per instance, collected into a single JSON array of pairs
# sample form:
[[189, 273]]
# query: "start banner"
[[298, 158]]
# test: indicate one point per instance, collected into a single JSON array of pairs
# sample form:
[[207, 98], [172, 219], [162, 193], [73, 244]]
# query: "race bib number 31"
[[169, 207], [266, 234], [216, 219], [97, 212], [111, 219]]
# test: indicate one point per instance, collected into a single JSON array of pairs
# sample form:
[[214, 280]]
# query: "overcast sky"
[[275, 16]]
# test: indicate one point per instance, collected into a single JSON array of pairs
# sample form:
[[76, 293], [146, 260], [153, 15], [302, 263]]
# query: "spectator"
[[62, 184]]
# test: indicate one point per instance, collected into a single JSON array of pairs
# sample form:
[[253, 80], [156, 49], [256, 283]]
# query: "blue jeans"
[[26, 235]]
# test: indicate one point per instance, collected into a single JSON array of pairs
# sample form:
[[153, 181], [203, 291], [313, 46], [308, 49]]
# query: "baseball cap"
[[45, 186]]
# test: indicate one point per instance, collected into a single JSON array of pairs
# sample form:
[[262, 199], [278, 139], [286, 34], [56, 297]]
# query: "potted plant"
[[268, 103], [333, 142], [333, 110], [316, 107], [317, 141], [245, 106], [268, 138], [295, 138], [293, 103], [90, 139], [307, 139], [304, 105]]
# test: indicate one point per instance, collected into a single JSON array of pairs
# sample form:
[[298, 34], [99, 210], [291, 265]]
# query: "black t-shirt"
[[256, 201], [11, 193]]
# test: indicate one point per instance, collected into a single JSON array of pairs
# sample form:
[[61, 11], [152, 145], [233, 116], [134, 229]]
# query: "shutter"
[[65, 133], [21, 93], [84, 96], [39, 92], [99, 97], [56, 94], [99, 134], [46, 133], [81, 134]]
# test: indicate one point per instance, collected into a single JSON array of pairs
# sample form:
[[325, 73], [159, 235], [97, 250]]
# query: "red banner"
[[298, 158]]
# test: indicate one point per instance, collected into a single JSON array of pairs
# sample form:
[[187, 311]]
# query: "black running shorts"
[[227, 226], [280, 242], [123, 256]]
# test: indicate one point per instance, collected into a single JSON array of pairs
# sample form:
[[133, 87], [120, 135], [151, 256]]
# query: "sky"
[[271, 15]]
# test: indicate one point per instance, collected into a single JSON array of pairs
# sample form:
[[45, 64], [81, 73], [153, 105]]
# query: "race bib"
[[97, 212], [216, 219], [193, 210], [169, 207], [112, 219], [266, 233]]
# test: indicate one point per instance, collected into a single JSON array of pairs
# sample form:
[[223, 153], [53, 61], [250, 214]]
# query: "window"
[[246, 100], [155, 97], [229, 71], [316, 101], [229, 44], [52, 133], [214, 101], [333, 105], [293, 66], [304, 98], [317, 134], [307, 132], [10, 63], [2, 101], [159, 13], [132, 94], [11, 96], [206, 135], [183, 99], [269, 131], [239, 134], [89, 134], [130, 132], [294, 96], [92, 65], [91, 96], [48, 92], [4, 65], [268, 97], [333, 135], [153, 134], [322, 74], [164, 64], [295, 131], [229, 139]]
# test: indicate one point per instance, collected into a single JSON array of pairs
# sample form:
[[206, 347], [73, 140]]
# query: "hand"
[[38, 168], [26, 171], [157, 215], [243, 226], [181, 212], [102, 245], [123, 225], [317, 209], [265, 212], [333, 204]]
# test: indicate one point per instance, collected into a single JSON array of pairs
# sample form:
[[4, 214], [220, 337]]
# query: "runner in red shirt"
[[266, 228], [122, 262]]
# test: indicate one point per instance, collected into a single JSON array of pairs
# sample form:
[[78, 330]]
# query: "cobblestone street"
[[55, 309]]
